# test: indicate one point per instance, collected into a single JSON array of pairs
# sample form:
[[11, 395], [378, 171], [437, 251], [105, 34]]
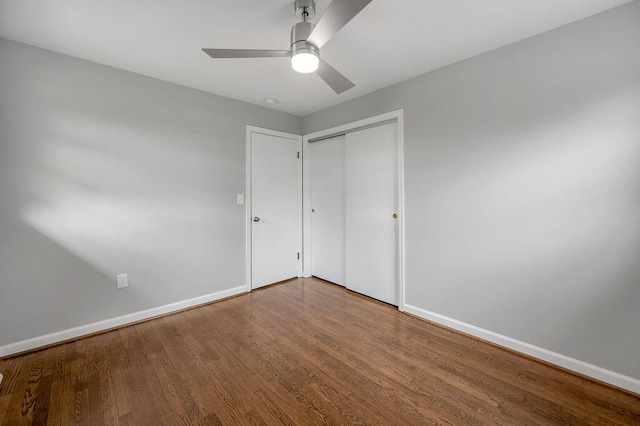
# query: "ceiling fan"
[[307, 39]]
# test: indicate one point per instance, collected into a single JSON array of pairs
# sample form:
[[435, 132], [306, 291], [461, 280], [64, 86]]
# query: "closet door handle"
[[256, 219]]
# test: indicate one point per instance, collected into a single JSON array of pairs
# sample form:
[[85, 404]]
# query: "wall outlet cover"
[[122, 281]]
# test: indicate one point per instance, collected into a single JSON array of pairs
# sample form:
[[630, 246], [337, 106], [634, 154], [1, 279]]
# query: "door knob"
[[395, 216], [256, 219]]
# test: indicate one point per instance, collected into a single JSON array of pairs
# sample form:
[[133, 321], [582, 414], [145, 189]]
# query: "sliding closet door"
[[327, 170], [370, 205]]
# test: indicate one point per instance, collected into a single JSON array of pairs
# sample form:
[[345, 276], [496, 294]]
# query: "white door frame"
[[247, 198], [306, 191]]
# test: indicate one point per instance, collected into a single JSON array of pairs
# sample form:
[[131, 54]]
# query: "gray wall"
[[103, 172], [523, 188]]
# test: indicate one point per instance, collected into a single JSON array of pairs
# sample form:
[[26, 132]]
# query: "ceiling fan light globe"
[[305, 62]]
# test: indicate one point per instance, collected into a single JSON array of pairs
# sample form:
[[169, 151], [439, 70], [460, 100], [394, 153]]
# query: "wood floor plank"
[[11, 373], [21, 385], [4, 404], [301, 352]]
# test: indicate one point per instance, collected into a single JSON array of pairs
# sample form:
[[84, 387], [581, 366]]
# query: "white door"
[[371, 184], [328, 209], [275, 208]]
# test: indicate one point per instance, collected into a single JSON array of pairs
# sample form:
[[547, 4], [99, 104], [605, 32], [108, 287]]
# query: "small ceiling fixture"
[[271, 101], [307, 39]]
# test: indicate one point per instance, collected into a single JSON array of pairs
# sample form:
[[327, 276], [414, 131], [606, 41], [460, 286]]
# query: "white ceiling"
[[389, 41]]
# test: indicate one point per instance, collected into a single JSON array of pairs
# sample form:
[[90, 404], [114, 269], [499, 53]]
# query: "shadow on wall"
[[42, 279], [108, 196], [105, 172]]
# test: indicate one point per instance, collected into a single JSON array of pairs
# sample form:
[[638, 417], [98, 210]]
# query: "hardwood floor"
[[302, 352]]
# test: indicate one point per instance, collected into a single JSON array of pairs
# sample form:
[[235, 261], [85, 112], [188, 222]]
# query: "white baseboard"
[[60, 336], [569, 363]]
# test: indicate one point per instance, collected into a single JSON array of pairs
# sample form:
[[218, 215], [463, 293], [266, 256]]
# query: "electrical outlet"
[[240, 199], [122, 281]]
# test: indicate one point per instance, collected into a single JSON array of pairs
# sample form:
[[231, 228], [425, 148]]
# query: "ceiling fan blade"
[[246, 53], [338, 82], [335, 17]]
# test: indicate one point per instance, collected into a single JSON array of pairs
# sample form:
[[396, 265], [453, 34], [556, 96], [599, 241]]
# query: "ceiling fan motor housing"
[[299, 35], [301, 31]]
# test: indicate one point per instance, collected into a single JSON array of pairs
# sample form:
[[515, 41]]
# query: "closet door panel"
[[327, 170], [370, 205]]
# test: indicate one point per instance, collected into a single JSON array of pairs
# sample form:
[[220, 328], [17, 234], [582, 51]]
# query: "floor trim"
[[41, 342], [581, 367]]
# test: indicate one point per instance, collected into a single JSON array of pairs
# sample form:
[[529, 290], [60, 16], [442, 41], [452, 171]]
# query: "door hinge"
[[298, 154], [298, 255]]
